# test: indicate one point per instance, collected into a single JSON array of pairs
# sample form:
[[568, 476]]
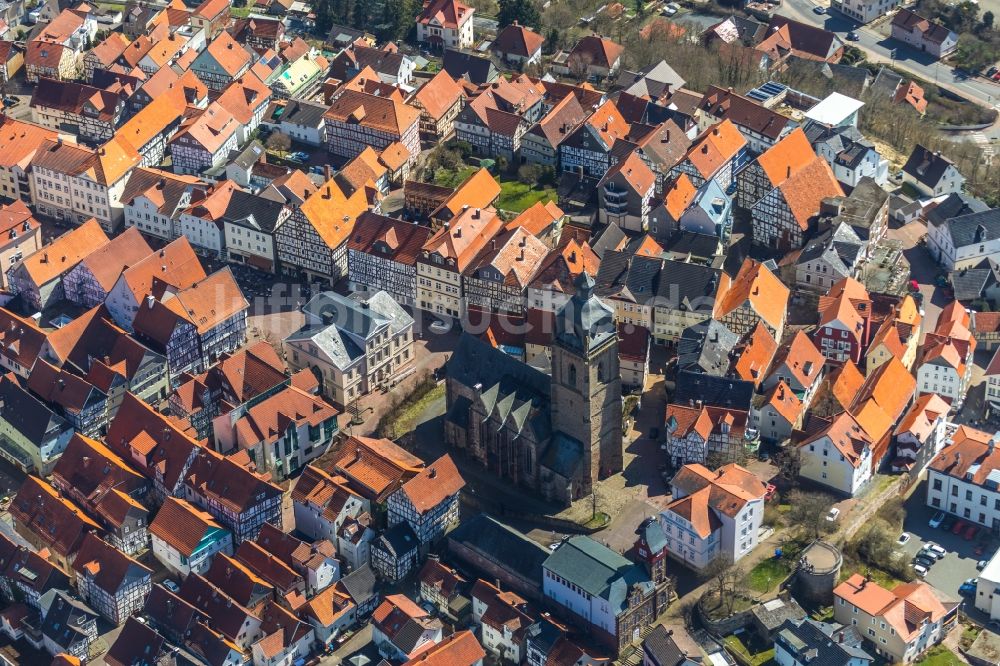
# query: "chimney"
[[432, 474], [326, 172], [150, 301], [788, 171]]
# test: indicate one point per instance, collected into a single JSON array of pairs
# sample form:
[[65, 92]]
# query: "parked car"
[[10, 100], [949, 522], [819, 10], [299, 156], [925, 552], [920, 570], [970, 532], [671, 9], [925, 561], [933, 547], [439, 327], [959, 526], [936, 521], [981, 564], [853, 36], [172, 586], [833, 514], [968, 588], [903, 538]]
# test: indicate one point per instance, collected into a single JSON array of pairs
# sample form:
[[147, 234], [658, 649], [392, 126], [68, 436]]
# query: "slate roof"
[[926, 166], [504, 544], [687, 286], [827, 644], [954, 205], [975, 227], [26, 414], [360, 584], [630, 277], [351, 323], [705, 346], [474, 68], [712, 390], [298, 112], [249, 210]]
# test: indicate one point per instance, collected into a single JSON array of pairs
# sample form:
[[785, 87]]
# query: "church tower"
[[586, 400]]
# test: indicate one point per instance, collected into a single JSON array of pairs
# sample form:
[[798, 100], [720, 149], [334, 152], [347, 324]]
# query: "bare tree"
[[279, 142], [809, 512]]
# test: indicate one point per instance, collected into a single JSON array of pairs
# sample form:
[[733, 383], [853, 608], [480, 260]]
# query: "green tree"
[[552, 40], [988, 21], [523, 12]]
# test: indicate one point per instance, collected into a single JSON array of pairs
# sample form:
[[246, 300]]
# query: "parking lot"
[[960, 563]]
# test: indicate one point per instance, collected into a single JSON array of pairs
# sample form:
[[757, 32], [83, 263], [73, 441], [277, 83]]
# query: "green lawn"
[[516, 196], [736, 646], [940, 656], [768, 574], [449, 178]]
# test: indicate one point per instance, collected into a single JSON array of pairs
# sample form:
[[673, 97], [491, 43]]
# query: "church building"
[[554, 434]]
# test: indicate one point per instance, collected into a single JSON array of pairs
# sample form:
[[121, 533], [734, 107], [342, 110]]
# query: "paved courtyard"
[[960, 562]]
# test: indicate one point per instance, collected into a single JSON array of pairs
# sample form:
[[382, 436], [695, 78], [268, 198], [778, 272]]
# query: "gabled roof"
[[715, 147], [448, 14], [459, 649], [724, 104], [182, 525], [760, 287], [847, 435], [438, 95], [517, 40], [175, 264], [923, 165], [57, 522], [436, 483], [353, 107], [931, 31], [108, 567], [598, 51], [106, 263], [332, 213], [62, 254], [20, 140]]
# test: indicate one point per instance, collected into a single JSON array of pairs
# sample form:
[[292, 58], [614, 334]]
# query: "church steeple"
[[586, 382]]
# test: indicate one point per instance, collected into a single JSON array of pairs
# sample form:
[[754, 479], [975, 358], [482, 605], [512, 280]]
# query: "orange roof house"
[[703, 497], [595, 55], [906, 620], [945, 366], [37, 277], [439, 101], [437, 483], [802, 180], [755, 294], [445, 23], [712, 155], [479, 191]]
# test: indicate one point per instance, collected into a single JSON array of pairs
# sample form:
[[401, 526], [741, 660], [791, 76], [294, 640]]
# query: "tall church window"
[[572, 375], [600, 371]]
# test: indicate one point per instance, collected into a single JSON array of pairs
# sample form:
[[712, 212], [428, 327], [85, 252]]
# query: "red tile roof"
[[434, 484]]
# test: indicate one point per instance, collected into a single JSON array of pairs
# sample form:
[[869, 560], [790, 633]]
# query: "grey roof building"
[[660, 649], [498, 551], [705, 347], [354, 344], [819, 644], [35, 436]]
